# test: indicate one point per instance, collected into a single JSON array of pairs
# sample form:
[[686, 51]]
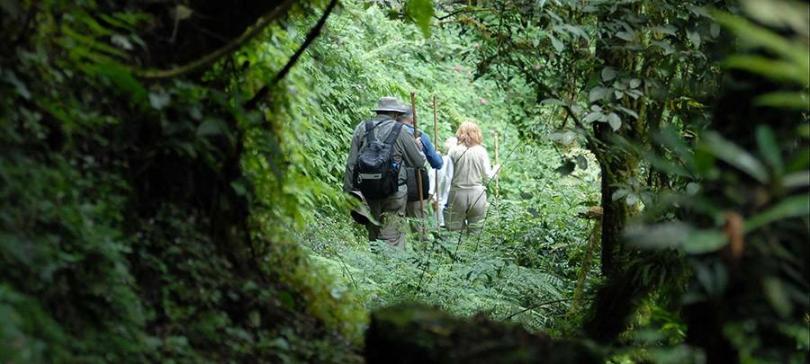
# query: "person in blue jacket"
[[434, 159]]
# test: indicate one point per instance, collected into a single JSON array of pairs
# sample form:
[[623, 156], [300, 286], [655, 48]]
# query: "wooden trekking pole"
[[419, 187], [497, 162], [436, 171]]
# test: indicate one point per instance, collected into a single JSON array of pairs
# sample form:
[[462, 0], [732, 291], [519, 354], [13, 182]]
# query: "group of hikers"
[[388, 171]]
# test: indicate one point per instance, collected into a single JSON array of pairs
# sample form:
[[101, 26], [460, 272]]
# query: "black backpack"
[[376, 174], [413, 183]]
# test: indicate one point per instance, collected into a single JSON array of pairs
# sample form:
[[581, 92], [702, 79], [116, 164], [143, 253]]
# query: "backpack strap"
[[369, 134], [394, 134]]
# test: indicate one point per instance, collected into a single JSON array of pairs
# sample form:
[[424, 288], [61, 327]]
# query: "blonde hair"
[[469, 134]]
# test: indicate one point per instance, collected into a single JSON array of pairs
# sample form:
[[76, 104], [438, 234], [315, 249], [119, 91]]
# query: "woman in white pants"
[[467, 201]]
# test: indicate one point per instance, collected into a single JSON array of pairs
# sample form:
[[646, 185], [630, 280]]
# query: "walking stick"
[[436, 171], [497, 162], [419, 188]]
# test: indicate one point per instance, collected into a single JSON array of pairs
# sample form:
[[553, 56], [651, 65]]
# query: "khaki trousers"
[[417, 217], [466, 208], [412, 209], [390, 212]]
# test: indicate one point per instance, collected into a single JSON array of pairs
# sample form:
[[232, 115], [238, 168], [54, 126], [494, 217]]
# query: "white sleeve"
[[447, 180], [488, 173]]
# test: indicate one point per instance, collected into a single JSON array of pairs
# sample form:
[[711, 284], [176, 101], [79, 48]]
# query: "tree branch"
[[535, 306], [212, 57], [313, 33]]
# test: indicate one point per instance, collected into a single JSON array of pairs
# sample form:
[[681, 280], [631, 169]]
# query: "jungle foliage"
[[170, 179]]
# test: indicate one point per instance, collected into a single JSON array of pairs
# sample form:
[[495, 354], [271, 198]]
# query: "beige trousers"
[[466, 208], [390, 212]]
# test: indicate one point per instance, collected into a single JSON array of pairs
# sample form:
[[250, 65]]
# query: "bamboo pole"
[[419, 187], [436, 173]]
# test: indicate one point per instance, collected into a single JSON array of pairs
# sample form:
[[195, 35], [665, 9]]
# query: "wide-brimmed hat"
[[361, 213], [392, 104]]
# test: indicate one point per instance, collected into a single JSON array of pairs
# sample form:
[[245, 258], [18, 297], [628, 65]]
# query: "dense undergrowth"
[[150, 212], [523, 267]]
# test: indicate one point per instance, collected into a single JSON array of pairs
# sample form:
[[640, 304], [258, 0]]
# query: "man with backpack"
[[379, 153]]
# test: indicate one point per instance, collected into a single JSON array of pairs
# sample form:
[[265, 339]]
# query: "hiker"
[[445, 175], [467, 201], [376, 168], [417, 207]]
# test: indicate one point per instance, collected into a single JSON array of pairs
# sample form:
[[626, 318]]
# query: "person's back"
[[388, 209], [467, 202], [471, 167]]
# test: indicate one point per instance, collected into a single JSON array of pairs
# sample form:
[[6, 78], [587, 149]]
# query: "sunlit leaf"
[[421, 13]]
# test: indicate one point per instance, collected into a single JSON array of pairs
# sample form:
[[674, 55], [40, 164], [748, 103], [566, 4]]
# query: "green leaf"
[[627, 111], [692, 188], [552, 101], [619, 194], [608, 73], [796, 180], [769, 148], [676, 234], [754, 35], [631, 199], [615, 121], [774, 69], [594, 116], [159, 100], [421, 13], [122, 78], [796, 206], [735, 156], [777, 296], [784, 99], [557, 44], [598, 93], [627, 36], [694, 38], [704, 241], [211, 127]]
